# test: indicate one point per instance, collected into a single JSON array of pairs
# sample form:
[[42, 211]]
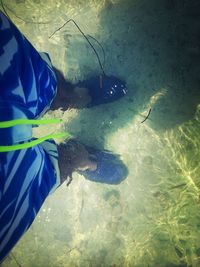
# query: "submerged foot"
[[96, 165], [68, 95]]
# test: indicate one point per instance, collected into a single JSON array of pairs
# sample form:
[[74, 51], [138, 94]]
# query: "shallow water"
[[152, 219]]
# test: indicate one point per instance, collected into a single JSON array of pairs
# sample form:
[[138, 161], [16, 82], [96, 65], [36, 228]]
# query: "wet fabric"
[[27, 176]]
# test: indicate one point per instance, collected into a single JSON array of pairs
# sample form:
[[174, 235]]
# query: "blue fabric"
[[21, 66], [26, 180], [27, 88]]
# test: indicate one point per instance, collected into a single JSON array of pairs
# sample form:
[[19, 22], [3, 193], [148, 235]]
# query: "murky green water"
[[152, 219]]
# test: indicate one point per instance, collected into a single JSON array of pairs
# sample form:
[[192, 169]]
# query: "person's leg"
[[36, 84], [72, 156], [67, 95], [28, 176]]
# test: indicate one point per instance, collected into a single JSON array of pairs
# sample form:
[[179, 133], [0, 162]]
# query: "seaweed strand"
[[71, 20], [26, 21], [147, 116]]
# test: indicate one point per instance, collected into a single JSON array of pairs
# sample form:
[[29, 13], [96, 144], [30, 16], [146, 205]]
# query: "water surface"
[[152, 219]]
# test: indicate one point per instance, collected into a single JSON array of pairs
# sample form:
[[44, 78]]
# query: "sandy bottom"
[[152, 219]]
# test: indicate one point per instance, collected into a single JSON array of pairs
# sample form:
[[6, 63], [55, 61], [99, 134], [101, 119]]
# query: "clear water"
[[152, 219]]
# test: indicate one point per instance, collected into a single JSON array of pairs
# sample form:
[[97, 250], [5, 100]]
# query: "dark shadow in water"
[[156, 48]]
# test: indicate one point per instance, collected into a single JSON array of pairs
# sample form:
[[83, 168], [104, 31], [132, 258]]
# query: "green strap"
[[7, 124], [33, 143]]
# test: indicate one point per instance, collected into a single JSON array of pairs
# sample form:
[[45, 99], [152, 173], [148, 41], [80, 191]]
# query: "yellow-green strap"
[[33, 143], [7, 124]]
